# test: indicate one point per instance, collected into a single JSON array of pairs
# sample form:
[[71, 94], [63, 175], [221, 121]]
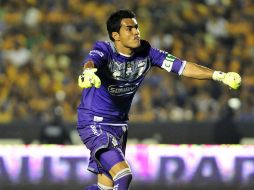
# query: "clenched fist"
[[89, 79], [232, 79]]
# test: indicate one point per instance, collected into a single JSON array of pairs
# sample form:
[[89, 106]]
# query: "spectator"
[[55, 132], [226, 131]]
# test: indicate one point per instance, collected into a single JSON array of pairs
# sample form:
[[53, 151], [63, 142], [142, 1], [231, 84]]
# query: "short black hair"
[[114, 20]]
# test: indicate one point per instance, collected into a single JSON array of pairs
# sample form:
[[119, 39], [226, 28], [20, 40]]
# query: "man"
[[113, 71]]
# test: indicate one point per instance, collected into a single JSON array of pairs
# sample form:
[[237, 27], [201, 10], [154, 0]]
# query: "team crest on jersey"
[[129, 70]]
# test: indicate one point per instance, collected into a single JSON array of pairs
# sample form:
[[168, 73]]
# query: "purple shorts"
[[98, 136]]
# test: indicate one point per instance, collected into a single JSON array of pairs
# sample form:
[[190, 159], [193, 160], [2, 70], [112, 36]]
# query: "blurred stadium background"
[[42, 44]]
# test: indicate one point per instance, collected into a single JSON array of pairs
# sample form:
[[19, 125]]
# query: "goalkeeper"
[[112, 73]]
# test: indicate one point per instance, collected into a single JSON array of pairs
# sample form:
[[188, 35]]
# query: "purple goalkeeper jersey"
[[120, 78]]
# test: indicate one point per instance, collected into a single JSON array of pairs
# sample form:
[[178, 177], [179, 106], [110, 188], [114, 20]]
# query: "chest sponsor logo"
[[117, 90]]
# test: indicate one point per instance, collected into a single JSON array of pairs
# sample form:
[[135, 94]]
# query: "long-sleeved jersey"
[[120, 76]]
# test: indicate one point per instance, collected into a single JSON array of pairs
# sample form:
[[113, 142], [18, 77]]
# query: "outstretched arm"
[[193, 70], [196, 71]]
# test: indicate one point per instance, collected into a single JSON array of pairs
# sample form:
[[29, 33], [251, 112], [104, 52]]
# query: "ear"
[[116, 36]]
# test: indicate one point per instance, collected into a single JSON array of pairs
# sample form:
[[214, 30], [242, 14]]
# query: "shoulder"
[[144, 48], [103, 45], [101, 48]]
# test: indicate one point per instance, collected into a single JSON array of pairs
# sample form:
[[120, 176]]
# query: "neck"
[[123, 50]]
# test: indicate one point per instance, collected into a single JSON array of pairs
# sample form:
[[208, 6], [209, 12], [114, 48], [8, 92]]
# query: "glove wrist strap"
[[89, 70], [218, 75]]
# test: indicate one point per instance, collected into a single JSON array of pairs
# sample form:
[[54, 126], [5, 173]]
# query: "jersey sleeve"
[[98, 54], [166, 61]]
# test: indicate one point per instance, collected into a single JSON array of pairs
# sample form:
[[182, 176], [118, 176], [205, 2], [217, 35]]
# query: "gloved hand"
[[232, 79], [89, 79]]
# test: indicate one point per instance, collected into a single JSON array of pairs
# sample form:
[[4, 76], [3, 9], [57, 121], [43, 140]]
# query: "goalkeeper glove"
[[232, 79], [88, 79]]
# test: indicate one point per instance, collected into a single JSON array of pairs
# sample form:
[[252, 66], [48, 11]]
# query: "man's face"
[[129, 34]]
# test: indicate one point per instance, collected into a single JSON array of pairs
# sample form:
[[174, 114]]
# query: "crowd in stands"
[[43, 42]]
